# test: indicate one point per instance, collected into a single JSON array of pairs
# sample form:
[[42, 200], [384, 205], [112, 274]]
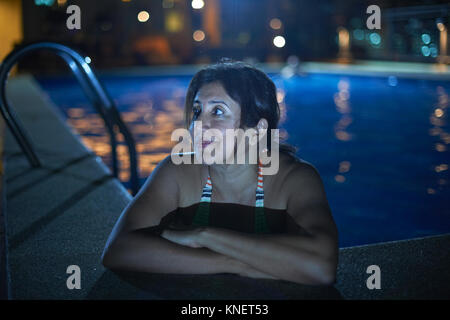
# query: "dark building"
[[116, 33]]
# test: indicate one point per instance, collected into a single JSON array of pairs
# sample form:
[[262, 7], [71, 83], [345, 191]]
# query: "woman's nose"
[[206, 123]]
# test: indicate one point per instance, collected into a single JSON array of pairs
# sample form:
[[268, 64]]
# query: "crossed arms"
[[309, 258]]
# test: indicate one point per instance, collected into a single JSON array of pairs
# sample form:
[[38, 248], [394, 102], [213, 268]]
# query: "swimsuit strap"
[[260, 218], [201, 217], [259, 188]]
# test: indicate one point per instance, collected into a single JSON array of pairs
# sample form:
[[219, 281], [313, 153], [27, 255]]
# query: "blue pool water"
[[381, 144]]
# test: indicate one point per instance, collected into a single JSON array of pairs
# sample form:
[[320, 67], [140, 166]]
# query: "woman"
[[228, 218]]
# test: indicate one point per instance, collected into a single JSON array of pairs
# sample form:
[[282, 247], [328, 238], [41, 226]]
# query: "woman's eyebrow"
[[218, 101], [196, 101]]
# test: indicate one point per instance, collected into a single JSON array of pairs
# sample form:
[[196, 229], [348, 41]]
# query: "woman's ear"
[[262, 124]]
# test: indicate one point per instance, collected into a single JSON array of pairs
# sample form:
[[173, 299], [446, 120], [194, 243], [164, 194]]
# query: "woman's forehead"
[[213, 92]]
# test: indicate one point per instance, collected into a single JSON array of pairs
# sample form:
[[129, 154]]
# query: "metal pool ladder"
[[93, 89]]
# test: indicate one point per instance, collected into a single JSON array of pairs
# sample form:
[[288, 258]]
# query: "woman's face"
[[216, 110]]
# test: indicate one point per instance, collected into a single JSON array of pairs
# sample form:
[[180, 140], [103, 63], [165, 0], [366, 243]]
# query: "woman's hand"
[[184, 237]]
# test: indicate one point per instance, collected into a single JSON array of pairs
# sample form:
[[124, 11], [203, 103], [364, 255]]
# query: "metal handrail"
[[93, 89]]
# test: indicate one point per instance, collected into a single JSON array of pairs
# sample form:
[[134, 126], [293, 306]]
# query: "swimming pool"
[[381, 144]]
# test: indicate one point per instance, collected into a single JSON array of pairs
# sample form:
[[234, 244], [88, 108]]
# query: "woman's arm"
[[141, 251], [306, 259], [138, 251], [293, 258], [131, 247]]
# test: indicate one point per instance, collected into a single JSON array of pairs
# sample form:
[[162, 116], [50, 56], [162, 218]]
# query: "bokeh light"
[[426, 51], [275, 24], [279, 41], [197, 4], [198, 35], [143, 16], [426, 38], [438, 112], [375, 38]]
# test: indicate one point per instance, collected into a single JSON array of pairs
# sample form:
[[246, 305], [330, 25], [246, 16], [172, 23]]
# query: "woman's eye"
[[217, 111]]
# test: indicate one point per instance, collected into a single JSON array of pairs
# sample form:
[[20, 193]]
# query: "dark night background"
[[240, 29]]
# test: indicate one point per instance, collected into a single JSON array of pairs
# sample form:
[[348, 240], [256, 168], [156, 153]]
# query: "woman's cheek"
[[196, 139], [229, 145]]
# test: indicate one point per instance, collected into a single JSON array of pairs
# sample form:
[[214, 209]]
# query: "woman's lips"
[[205, 143]]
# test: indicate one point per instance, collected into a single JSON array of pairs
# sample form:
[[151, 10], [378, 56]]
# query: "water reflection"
[[279, 82], [437, 119], [341, 100], [151, 125], [344, 166]]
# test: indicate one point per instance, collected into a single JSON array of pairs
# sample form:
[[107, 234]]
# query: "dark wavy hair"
[[250, 87]]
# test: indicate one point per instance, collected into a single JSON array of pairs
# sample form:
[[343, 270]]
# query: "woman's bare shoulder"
[[289, 164], [187, 174], [295, 172], [277, 186], [177, 171]]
